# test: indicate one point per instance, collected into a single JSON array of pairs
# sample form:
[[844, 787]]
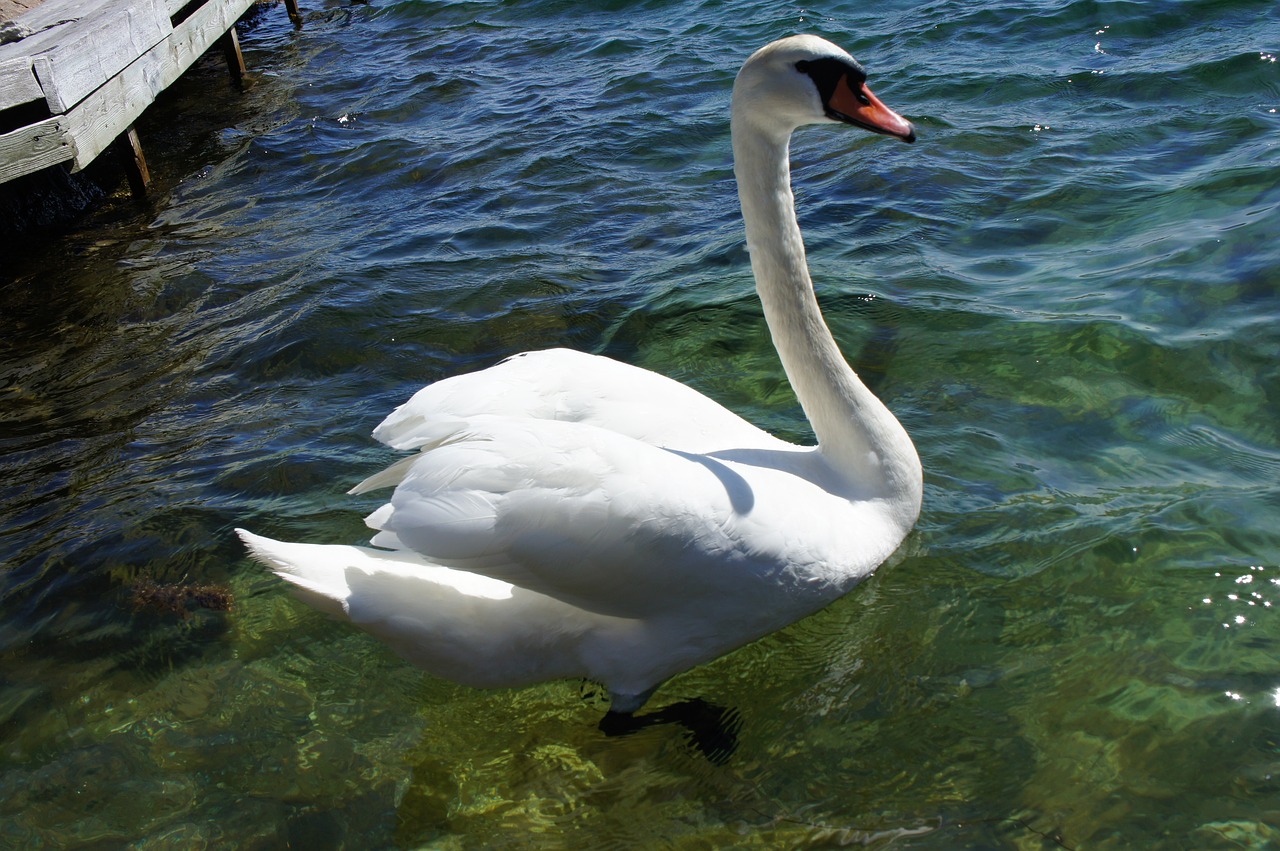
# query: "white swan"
[[566, 515]]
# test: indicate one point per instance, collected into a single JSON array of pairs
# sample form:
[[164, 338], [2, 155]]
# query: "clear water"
[[1066, 290]]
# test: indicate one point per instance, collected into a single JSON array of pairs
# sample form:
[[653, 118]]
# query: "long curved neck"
[[857, 434]]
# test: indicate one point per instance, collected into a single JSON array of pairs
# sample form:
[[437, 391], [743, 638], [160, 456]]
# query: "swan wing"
[[617, 526], [568, 386]]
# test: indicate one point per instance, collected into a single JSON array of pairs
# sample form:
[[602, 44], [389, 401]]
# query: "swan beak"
[[865, 110]]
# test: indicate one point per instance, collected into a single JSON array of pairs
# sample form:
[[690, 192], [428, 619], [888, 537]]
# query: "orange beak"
[[866, 111]]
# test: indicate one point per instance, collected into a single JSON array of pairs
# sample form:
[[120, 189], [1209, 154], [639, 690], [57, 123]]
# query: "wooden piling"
[[129, 150], [230, 44]]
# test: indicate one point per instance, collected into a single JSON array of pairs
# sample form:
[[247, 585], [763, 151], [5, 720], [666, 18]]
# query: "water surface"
[[1066, 290]]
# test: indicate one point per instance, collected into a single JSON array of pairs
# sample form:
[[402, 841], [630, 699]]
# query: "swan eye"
[[803, 66]]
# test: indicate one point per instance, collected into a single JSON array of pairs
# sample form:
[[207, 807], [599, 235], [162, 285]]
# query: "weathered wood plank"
[[206, 26], [110, 110], [17, 83], [66, 57], [102, 43], [12, 9], [34, 147], [50, 13]]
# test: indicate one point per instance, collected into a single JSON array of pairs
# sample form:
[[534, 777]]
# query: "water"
[[1066, 290]]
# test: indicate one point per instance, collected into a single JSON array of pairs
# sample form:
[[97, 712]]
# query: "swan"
[[564, 515]]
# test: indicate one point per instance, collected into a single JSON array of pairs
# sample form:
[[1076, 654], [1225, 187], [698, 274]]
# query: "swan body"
[[565, 515]]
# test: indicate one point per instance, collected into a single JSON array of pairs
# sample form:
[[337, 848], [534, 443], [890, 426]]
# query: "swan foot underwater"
[[713, 730], [564, 515]]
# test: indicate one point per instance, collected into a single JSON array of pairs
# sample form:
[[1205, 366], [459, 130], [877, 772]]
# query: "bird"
[[563, 515]]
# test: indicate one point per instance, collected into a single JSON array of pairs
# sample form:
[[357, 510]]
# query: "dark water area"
[[1066, 291]]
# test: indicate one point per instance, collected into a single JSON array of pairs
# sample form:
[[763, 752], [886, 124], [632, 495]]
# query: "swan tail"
[[345, 580], [459, 625], [318, 573]]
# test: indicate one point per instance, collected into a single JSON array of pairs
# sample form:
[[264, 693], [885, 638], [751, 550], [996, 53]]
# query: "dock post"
[[294, 14], [230, 44], [129, 150]]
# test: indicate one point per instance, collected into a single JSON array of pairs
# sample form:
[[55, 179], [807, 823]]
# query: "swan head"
[[805, 79]]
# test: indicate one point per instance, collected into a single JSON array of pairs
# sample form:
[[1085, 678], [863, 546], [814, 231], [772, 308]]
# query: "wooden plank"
[[17, 83], [100, 45], [173, 7], [110, 110], [50, 13], [11, 10], [206, 26], [34, 26], [34, 147], [49, 23]]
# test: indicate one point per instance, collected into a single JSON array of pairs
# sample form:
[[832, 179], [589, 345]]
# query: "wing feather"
[[568, 386], [608, 523]]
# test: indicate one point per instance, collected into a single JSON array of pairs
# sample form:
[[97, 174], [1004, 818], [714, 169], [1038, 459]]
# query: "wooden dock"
[[76, 74]]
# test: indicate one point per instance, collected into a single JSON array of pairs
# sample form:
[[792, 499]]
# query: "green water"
[[1065, 290]]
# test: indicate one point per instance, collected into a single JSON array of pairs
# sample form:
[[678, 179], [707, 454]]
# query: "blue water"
[[1066, 290]]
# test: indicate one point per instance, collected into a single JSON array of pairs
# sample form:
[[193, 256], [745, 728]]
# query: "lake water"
[[1066, 290]]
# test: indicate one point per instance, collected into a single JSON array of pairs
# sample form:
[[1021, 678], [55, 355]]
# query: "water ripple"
[[1065, 290]]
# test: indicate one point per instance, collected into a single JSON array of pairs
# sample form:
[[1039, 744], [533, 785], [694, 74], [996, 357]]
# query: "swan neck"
[[857, 434]]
